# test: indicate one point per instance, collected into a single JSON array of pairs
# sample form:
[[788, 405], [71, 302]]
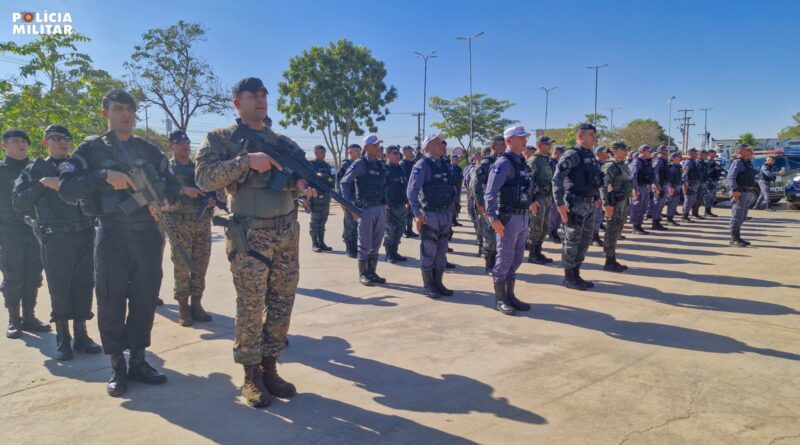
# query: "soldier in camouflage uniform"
[[576, 185], [321, 205], [542, 176], [478, 184], [262, 242], [193, 218], [617, 188]]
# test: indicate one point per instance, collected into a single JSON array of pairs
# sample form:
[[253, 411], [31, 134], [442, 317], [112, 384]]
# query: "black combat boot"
[[63, 341], [457, 224], [672, 221], [501, 302], [656, 225], [118, 383], [373, 265], [352, 250], [696, 212], [428, 285], [612, 265], [438, 274], [480, 248], [597, 241], [363, 273], [739, 235], [397, 257], [141, 371], [14, 322], [512, 297], [198, 313], [490, 258], [82, 342], [535, 256], [637, 229], [315, 247], [449, 265], [708, 212], [321, 243], [184, 312], [159, 302], [29, 321], [571, 281], [253, 389], [276, 386], [554, 237], [586, 284], [686, 219]]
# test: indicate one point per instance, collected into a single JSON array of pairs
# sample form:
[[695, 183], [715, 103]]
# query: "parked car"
[[792, 193]]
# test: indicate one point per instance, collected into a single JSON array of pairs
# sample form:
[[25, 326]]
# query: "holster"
[[428, 233]]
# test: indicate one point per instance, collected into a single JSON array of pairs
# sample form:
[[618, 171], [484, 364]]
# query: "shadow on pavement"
[[336, 297]]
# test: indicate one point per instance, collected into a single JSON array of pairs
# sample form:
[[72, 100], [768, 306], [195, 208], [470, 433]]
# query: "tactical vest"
[[50, 209], [458, 174], [515, 193], [396, 185], [623, 182], [692, 170], [484, 168], [185, 175], [370, 186], [747, 177], [763, 177], [644, 174], [585, 179], [675, 174], [715, 171], [544, 179], [323, 172], [661, 171], [437, 193], [703, 171], [343, 169], [9, 171]]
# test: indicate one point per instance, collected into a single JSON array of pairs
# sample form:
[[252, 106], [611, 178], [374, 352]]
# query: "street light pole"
[[546, 102], [596, 68], [469, 41], [705, 127], [612, 110], [425, 87], [669, 122]]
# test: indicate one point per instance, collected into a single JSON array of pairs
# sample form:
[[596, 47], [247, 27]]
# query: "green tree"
[[791, 131], [164, 71], [747, 138], [642, 131], [487, 118], [69, 93], [337, 90]]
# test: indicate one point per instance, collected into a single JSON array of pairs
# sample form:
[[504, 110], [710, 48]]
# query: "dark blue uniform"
[[350, 230], [396, 209], [741, 178], [320, 207]]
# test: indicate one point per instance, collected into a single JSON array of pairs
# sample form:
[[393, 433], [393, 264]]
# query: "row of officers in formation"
[[74, 215]]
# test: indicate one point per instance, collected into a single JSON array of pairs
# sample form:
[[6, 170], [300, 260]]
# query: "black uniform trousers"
[[21, 265], [68, 265]]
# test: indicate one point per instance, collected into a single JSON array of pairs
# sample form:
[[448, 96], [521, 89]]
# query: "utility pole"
[[471, 132], [705, 127], [596, 69], [146, 119], [685, 126], [425, 58], [612, 110], [546, 103], [420, 135], [669, 123]]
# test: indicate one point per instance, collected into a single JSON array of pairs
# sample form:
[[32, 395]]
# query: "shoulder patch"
[[67, 167]]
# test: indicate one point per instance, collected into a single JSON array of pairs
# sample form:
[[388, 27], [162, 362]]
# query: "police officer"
[[690, 182], [675, 173], [702, 186], [128, 245], [541, 171], [66, 236], [321, 204], [766, 176], [396, 205], [263, 241], [509, 199], [457, 179], [660, 187], [617, 189], [478, 184], [364, 183], [350, 231], [470, 197], [555, 220], [432, 177], [576, 185], [20, 258], [193, 220], [470, 180], [409, 159], [602, 155], [742, 183], [715, 172], [642, 180]]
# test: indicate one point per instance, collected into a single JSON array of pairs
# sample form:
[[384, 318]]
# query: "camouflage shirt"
[[616, 179], [541, 173]]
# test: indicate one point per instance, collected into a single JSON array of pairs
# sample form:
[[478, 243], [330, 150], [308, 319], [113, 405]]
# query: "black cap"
[[619, 145], [544, 140], [711, 150], [178, 136], [56, 129], [120, 96], [251, 84], [692, 150], [498, 139], [407, 147], [739, 147], [15, 133], [585, 127], [559, 148], [354, 146]]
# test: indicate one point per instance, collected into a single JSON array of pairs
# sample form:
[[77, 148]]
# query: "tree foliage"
[[337, 90], [747, 138], [164, 71], [487, 118], [791, 131], [641, 131]]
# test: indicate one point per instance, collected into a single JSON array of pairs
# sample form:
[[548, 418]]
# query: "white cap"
[[430, 138], [372, 139], [515, 131]]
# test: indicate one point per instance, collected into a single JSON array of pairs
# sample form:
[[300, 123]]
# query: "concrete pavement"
[[698, 343]]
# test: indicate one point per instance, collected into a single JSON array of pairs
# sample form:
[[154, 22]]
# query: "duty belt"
[[513, 211], [745, 189], [183, 217], [52, 229], [436, 209], [122, 225], [271, 223], [576, 198]]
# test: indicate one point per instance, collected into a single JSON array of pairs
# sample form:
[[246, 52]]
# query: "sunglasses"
[[59, 138]]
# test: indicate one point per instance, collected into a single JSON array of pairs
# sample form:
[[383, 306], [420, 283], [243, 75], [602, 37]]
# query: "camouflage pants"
[[489, 237], [264, 294], [196, 241], [578, 231], [540, 221], [350, 231], [320, 208], [614, 228], [395, 224]]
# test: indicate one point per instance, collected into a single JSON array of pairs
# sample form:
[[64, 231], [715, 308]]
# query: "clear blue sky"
[[738, 57]]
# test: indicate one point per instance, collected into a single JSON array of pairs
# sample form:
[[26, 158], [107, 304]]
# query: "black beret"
[[251, 84], [15, 133], [120, 96], [56, 129], [178, 136]]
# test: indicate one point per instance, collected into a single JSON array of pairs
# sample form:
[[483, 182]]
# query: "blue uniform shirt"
[[420, 174], [502, 171]]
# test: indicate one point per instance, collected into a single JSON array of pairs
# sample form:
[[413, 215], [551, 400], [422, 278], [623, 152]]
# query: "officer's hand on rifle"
[[302, 185], [119, 180], [563, 213], [498, 227], [192, 192], [165, 207], [262, 162], [535, 207], [51, 182], [609, 211]]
